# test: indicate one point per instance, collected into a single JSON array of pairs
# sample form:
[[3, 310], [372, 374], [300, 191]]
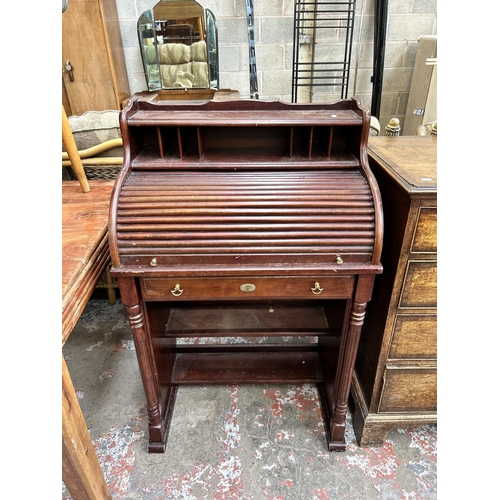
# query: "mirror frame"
[[152, 21]]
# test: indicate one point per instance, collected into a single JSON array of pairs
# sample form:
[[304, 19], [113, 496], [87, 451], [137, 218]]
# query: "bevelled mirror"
[[178, 41]]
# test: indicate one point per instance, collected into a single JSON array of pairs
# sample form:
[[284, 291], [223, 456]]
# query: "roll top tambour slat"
[[219, 228], [277, 252], [235, 213]]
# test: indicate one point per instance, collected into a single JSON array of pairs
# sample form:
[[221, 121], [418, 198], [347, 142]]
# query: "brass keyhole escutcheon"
[[153, 262], [176, 292], [247, 288], [339, 260], [317, 289]]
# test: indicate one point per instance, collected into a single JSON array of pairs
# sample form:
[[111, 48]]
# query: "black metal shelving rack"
[[336, 18]]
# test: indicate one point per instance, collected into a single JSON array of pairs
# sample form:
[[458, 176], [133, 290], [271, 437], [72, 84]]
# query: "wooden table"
[[85, 254]]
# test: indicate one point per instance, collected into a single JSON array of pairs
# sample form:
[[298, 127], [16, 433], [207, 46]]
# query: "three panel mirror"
[[178, 41]]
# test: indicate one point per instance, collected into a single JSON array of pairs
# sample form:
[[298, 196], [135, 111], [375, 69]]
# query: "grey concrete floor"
[[229, 442]]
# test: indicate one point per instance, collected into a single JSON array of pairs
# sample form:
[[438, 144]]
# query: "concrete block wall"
[[407, 21]]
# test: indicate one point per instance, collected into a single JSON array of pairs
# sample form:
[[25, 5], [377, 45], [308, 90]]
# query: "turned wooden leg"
[[337, 423], [149, 378], [70, 145], [109, 286], [147, 366], [345, 368]]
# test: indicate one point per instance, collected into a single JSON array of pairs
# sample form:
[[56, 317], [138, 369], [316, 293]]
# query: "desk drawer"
[[425, 237], [414, 337], [420, 285], [247, 288], [409, 390]]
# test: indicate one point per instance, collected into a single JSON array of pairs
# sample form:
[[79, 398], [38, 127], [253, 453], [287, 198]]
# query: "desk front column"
[[145, 356], [347, 359]]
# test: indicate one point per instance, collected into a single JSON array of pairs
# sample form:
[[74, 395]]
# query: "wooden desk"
[[396, 370], [245, 218], [85, 253]]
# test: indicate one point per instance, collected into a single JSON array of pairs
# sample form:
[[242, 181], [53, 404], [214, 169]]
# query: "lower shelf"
[[285, 348], [247, 367], [261, 319]]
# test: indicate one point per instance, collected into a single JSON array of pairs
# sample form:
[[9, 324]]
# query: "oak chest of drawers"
[[248, 220], [396, 369]]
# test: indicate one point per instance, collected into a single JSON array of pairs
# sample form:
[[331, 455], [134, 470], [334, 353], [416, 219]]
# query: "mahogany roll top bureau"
[[246, 236]]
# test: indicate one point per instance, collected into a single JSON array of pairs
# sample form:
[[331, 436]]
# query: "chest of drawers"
[[396, 370], [248, 220]]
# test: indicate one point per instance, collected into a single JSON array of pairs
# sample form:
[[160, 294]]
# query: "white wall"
[[408, 20]]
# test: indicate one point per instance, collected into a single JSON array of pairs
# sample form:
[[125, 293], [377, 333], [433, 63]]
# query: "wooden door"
[[85, 46]]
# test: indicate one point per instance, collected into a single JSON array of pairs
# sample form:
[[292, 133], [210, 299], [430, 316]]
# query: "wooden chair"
[[86, 155], [74, 157]]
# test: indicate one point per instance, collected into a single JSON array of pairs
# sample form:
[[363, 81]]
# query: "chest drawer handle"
[[317, 289], [339, 260], [177, 292]]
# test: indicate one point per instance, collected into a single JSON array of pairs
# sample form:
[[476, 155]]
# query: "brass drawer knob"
[[339, 260], [317, 289], [153, 263], [177, 292]]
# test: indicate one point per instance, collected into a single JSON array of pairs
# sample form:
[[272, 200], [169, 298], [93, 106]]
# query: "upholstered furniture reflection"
[[183, 65]]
